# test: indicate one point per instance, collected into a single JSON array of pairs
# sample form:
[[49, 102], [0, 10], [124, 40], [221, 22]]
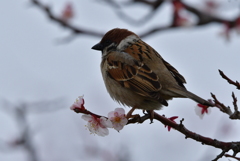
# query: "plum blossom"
[[97, 125], [118, 118], [172, 119], [177, 5], [78, 104], [67, 12], [237, 25], [211, 6], [182, 21], [180, 17], [201, 110], [226, 32]]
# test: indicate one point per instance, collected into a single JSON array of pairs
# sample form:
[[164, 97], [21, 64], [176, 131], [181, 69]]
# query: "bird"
[[136, 75]]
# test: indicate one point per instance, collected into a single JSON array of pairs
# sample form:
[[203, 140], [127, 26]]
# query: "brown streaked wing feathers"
[[178, 77], [140, 50], [137, 77]]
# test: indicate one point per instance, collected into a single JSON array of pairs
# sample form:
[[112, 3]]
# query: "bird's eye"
[[107, 42]]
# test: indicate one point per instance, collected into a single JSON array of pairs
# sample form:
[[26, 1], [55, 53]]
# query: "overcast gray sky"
[[34, 67]]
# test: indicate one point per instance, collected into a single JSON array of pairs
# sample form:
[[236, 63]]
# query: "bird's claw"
[[151, 114]]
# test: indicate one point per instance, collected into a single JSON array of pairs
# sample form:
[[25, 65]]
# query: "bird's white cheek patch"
[[125, 42]]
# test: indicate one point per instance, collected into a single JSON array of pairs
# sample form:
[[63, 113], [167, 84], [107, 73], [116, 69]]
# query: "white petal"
[[198, 111], [124, 121], [102, 131], [117, 126], [120, 111], [105, 122], [91, 128], [72, 107], [87, 117], [111, 114], [79, 100]]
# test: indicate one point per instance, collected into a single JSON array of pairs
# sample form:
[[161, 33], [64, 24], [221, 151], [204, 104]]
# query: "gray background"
[[35, 67]]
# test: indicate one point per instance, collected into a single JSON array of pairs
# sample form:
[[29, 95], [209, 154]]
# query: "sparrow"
[[136, 75]]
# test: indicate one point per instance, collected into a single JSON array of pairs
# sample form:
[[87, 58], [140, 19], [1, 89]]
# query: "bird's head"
[[116, 39]]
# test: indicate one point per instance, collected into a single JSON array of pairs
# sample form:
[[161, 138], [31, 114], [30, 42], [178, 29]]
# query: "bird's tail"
[[198, 99], [186, 93]]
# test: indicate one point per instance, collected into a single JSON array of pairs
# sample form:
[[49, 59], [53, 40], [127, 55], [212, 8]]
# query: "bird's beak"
[[98, 47]]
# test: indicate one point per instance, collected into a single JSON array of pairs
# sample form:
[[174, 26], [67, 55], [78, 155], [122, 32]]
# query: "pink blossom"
[[182, 21], [226, 32], [179, 18], [172, 119], [201, 110], [97, 125], [67, 12], [237, 25], [177, 5], [118, 118], [79, 103], [211, 6]]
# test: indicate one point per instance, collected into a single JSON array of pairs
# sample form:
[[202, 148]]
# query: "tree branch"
[[51, 16], [237, 84], [227, 110], [203, 18], [225, 146]]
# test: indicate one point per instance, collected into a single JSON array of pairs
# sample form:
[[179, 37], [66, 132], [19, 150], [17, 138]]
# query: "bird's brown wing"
[[178, 77], [140, 50], [137, 77]]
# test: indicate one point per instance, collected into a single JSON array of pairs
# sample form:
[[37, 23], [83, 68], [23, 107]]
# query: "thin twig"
[[227, 110], [236, 114], [221, 106], [237, 84], [230, 156]]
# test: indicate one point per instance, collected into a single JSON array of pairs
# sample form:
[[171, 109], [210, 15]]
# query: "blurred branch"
[[24, 139], [117, 8], [203, 18], [51, 16], [32, 107], [20, 113], [4, 146], [46, 105]]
